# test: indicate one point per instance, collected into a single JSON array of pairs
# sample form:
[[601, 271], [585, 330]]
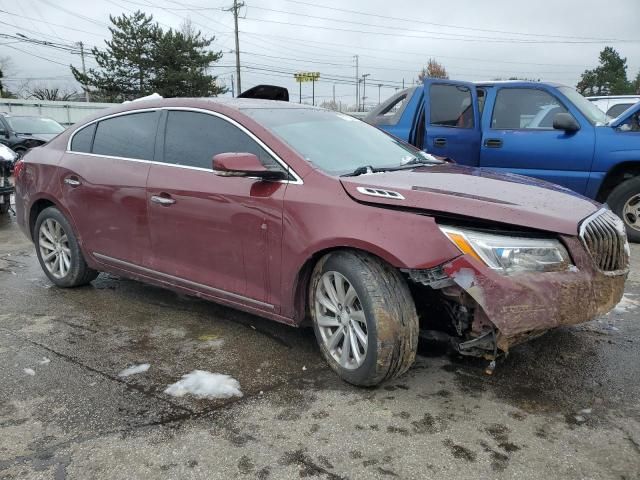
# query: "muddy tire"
[[624, 200], [58, 250], [359, 299], [5, 205]]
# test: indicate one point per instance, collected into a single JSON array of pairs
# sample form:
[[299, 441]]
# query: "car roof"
[[518, 83], [234, 103], [613, 97]]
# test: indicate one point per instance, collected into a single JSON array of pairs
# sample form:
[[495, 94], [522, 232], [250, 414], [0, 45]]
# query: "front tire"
[[58, 250], [624, 200], [364, 317]]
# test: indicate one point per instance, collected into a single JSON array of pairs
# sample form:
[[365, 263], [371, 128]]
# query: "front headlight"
[[508, 254]]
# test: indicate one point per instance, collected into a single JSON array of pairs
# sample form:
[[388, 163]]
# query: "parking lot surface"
[[566, 405]]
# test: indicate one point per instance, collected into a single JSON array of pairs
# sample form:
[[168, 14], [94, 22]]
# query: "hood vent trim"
[[380, 192]]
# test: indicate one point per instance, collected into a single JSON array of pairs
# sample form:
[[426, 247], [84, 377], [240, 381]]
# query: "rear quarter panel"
[[39, 180]]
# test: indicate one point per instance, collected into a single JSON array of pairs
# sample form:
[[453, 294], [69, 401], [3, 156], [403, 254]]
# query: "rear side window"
[[616, 110], [525, 108], [193, 138], [129, 136], [451, 106], [83, 139]]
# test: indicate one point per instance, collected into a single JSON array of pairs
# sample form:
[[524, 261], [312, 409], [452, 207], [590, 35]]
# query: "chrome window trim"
[[297, 179], [183, 281]]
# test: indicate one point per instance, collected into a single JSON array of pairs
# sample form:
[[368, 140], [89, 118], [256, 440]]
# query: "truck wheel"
[[625, 202], [364, 318], [5, 205], [59, 252]]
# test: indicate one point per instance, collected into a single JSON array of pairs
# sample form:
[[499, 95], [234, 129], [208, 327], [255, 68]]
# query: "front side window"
[[333, 142], [129, 136], [525, 108], [193, 138], [83, 139], [588, 109], [451, 106], [616, 110]]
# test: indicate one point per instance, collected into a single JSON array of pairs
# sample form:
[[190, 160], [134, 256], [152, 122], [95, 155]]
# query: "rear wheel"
[[59, 252], [5, 205], [364, 318], [624, 200]]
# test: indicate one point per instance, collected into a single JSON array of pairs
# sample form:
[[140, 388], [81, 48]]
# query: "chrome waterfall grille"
[[603, 234]]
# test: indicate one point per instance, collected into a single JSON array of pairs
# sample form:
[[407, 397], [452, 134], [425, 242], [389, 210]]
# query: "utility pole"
[[235, 8], [357, 86], [379, 87], [313, 91], [233, 91], [84, 71], [364, 89], [334, 94]]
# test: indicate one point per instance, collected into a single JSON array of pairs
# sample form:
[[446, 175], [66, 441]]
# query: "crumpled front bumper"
[[525, 305]]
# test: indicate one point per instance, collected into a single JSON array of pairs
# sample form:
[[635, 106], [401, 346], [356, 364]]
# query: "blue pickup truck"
[[542, 130]]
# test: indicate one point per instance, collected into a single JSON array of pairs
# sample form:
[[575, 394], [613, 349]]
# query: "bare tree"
[[55, 93], [433, 69]]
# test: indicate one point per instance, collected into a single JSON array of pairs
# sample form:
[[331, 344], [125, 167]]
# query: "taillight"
[[17, 169]]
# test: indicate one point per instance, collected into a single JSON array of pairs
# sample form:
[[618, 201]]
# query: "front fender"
[[324, 218]]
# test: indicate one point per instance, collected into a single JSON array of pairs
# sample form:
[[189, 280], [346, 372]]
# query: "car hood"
[[45, 137], [476, 194]]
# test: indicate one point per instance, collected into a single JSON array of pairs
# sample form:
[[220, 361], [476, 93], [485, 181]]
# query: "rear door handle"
[[72, 181], [440, 142], [163, 200], [493, 143]]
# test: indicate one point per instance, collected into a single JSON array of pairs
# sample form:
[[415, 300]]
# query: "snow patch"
[[626, 304], [134, 369], [205, 384], [29, 371], [44, 361], [465, 277]]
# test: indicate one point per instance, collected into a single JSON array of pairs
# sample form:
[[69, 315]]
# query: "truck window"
[[525, 108], [451, 106]]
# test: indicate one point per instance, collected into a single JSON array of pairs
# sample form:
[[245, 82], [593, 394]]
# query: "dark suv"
[[22, 132]]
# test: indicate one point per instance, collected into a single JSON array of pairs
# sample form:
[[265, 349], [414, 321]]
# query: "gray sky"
[[475, 40]]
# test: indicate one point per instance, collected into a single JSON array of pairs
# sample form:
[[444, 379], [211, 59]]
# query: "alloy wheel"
[[631, 212], [54, 248], [341, 320]]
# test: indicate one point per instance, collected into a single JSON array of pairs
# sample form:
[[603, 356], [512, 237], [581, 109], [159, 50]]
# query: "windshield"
[[587, 108], [334, 142], [34, 125]]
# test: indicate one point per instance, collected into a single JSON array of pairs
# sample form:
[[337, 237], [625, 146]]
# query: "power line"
[[430, 37], [54, 24], [387, 17], [405, 52]]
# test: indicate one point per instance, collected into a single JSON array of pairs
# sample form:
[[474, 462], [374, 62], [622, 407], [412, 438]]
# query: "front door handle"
[[440, 142], [162, 200], [493, 143], [72, 181]]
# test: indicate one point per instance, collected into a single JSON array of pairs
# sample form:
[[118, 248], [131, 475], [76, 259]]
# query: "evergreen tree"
[[141, 59], [181, 62], [608, 78]]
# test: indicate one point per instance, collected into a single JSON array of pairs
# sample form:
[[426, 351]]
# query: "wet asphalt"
[[566, 405]]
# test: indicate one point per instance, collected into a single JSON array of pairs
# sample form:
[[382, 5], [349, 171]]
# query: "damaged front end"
[[483, 308]]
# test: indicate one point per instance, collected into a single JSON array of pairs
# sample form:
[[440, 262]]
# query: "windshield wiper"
[[414, 162], [360, 171]]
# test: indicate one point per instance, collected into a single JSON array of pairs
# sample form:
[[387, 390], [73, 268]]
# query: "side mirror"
[[243, 165], [566, 122]]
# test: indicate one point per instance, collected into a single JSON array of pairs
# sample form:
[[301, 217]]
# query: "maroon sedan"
[[299, 214]]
